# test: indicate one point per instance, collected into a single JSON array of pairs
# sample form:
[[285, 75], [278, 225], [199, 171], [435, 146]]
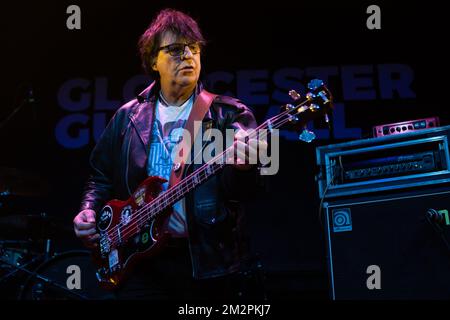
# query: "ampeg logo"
[[342, 220]]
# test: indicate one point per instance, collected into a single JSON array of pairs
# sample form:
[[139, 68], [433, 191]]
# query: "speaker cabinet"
[[385, 247]]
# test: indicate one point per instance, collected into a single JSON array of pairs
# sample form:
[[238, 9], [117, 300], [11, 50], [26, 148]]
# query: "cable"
[[432, 215], [326, 190]]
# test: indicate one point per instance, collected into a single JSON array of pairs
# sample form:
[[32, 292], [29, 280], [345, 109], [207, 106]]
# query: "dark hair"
[[172, 20]]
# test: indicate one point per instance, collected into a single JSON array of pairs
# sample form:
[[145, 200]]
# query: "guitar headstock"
[[317, 102]]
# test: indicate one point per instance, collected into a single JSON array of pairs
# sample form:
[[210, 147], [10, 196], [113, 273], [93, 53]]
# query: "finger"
[[262, 145], [94, 237], [241, 157], [240, 134], [90, 245], [250, 144], [241, 146], [84, 226], [89, 216], [252, 147], [84, 233], [248, 153], [230, 155]]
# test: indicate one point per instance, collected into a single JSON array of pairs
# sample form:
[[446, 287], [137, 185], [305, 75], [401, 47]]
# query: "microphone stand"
[[11, 273], [28, 99], [46, 280]]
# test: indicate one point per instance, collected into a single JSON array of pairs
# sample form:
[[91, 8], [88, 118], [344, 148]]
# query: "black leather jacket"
[[218, 240]]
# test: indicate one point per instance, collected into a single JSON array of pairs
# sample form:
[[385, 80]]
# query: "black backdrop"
[[39, 52]]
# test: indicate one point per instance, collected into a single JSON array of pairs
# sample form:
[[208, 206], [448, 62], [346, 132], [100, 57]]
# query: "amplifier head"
[[406, 126]]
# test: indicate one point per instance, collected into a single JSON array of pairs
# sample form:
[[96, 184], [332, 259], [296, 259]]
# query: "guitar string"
[[176, 191], [162, 203], [187, 184], [187, 180], [135, 226], [173, 194]]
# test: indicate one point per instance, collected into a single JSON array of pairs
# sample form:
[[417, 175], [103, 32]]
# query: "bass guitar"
[[133, 229]]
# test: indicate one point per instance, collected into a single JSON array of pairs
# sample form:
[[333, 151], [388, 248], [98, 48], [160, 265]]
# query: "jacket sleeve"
[[99, 186], [241, 184]]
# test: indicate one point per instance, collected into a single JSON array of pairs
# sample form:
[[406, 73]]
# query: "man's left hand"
[[246, 155]]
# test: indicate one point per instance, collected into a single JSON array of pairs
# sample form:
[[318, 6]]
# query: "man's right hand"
[[84, 226]]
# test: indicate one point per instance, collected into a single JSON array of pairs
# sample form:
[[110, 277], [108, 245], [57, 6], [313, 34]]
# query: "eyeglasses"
[[178, 49]]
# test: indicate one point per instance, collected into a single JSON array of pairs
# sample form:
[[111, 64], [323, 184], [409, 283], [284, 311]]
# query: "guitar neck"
[[143, 213], [212, 167], [179, 191]]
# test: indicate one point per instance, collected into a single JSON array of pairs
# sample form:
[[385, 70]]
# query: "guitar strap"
[[184, 147]]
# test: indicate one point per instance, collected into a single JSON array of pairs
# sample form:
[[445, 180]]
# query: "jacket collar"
[[142, 115], [150, 93]]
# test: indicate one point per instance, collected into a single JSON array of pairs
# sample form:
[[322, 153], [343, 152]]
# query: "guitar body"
[[123, 242]]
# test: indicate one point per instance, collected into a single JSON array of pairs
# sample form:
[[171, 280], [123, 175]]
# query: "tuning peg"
[[310, 96], [307, 136], [324, 97], [293, 119], [327, 119], [315, 84], [289, 106], [294, 94], [313, 107]]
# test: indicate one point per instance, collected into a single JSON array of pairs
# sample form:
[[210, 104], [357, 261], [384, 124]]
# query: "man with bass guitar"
[[207, 250]]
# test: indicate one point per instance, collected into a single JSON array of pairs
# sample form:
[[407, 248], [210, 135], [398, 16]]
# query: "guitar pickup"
[[113, 259]]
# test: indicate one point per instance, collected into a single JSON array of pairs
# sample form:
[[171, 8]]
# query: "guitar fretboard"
[[179, 190]]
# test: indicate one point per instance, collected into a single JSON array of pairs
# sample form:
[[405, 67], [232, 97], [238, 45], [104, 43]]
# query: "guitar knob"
[[313, 107], [324, 97], [294, 94], [307, 136]]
